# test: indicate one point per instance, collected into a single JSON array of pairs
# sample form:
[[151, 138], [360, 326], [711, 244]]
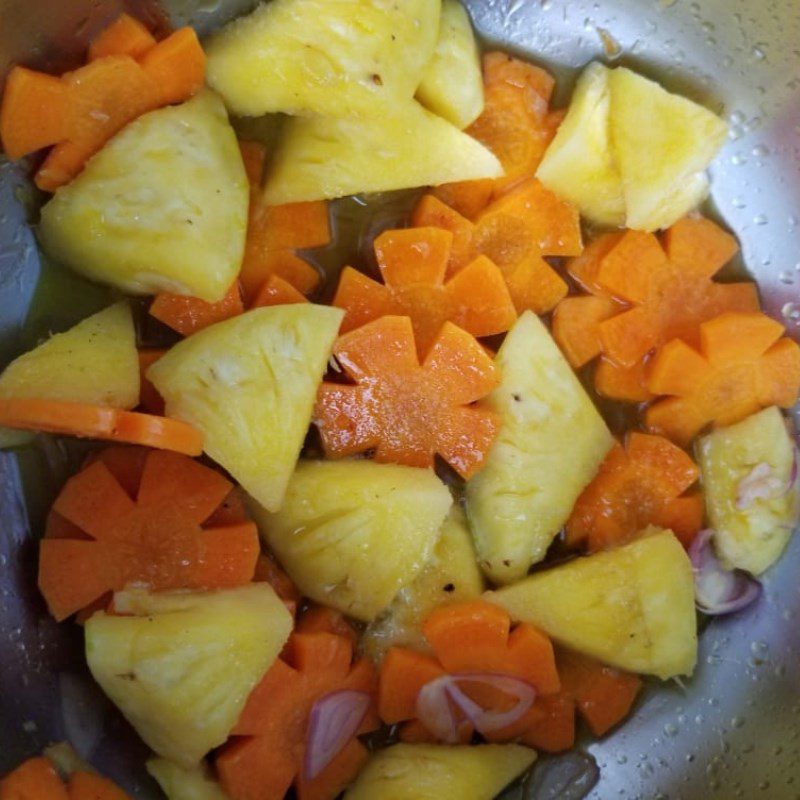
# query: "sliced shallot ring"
[[437, 699], [334, 720], [717, 590]]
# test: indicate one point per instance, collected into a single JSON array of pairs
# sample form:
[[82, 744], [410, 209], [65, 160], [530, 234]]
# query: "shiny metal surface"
[[734, 730]]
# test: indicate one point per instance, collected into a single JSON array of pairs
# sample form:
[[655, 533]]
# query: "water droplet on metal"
[[791, 312], [760, 219], [760, 151]]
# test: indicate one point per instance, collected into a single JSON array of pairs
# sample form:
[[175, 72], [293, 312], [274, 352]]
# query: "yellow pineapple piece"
[[452, 85], [751, 532], [319, 57], [403, 146], [461, 772], [662, 144], [632, 607], [94, 362], [180, 783], [579, 164], [161, 208], [451, 576], [551, 442], [352, 534], [249, 384], [180, 665]]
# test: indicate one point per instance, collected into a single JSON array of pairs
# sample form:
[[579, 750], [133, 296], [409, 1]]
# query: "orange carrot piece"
[[743, 366], [88, 786], [277, 292], [403, 673], [414, 732], [335, 777], [125, 463], [530, 654], [431, 212], [100, 422], [149, 398], [584, 268], [634, 487], [264, 758], [103, 97], [627, 337], [176, 65], [604, 695], [413, 262], [35, 779], [125, 36], [529, 217], [321, 619], [684, 516], [231, 511], [152, 535], [576, 326], [465, 630], [698, 246], [187, 315], [259, 267], [627, 270], [468, 198], [33, 113], [552, 724], [268, 570], [513, 124], [622, 383], [405, 410]]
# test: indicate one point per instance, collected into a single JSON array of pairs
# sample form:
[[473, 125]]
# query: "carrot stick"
[[125, 36], [176, 65], [33, 113]]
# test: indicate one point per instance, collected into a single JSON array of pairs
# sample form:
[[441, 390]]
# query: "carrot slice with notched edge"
[[34, 779], [575, 326], [622, 383], [514, 124], [265, 756], [413, 262], [187, 315], [101, 422], [154, 537], [468, 198], [33, 114], [83, 785], [275, 232], [603, 695], [639, 485], [742, 365], [125, 36], [431, 212], [277, 292], [405, 410], [176, 65]]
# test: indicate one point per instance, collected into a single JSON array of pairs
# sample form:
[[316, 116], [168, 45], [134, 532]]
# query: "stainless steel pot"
[[734, 729]]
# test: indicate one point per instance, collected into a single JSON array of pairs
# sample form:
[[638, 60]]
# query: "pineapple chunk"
[[319, 57], [161, 208], [452, 85], [182, 664], [402, 147], [632, 607], [249, 384], [179, 783], [551, 442], [579, 164], [461, 772], [94, 362], [663, 144], [750, 533], [451, 576], [351, 534]]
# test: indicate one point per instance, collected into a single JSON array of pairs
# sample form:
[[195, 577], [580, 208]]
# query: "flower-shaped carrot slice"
[[102, 538], [639, 485], [742, 365], [413, 262], [405, 410]]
